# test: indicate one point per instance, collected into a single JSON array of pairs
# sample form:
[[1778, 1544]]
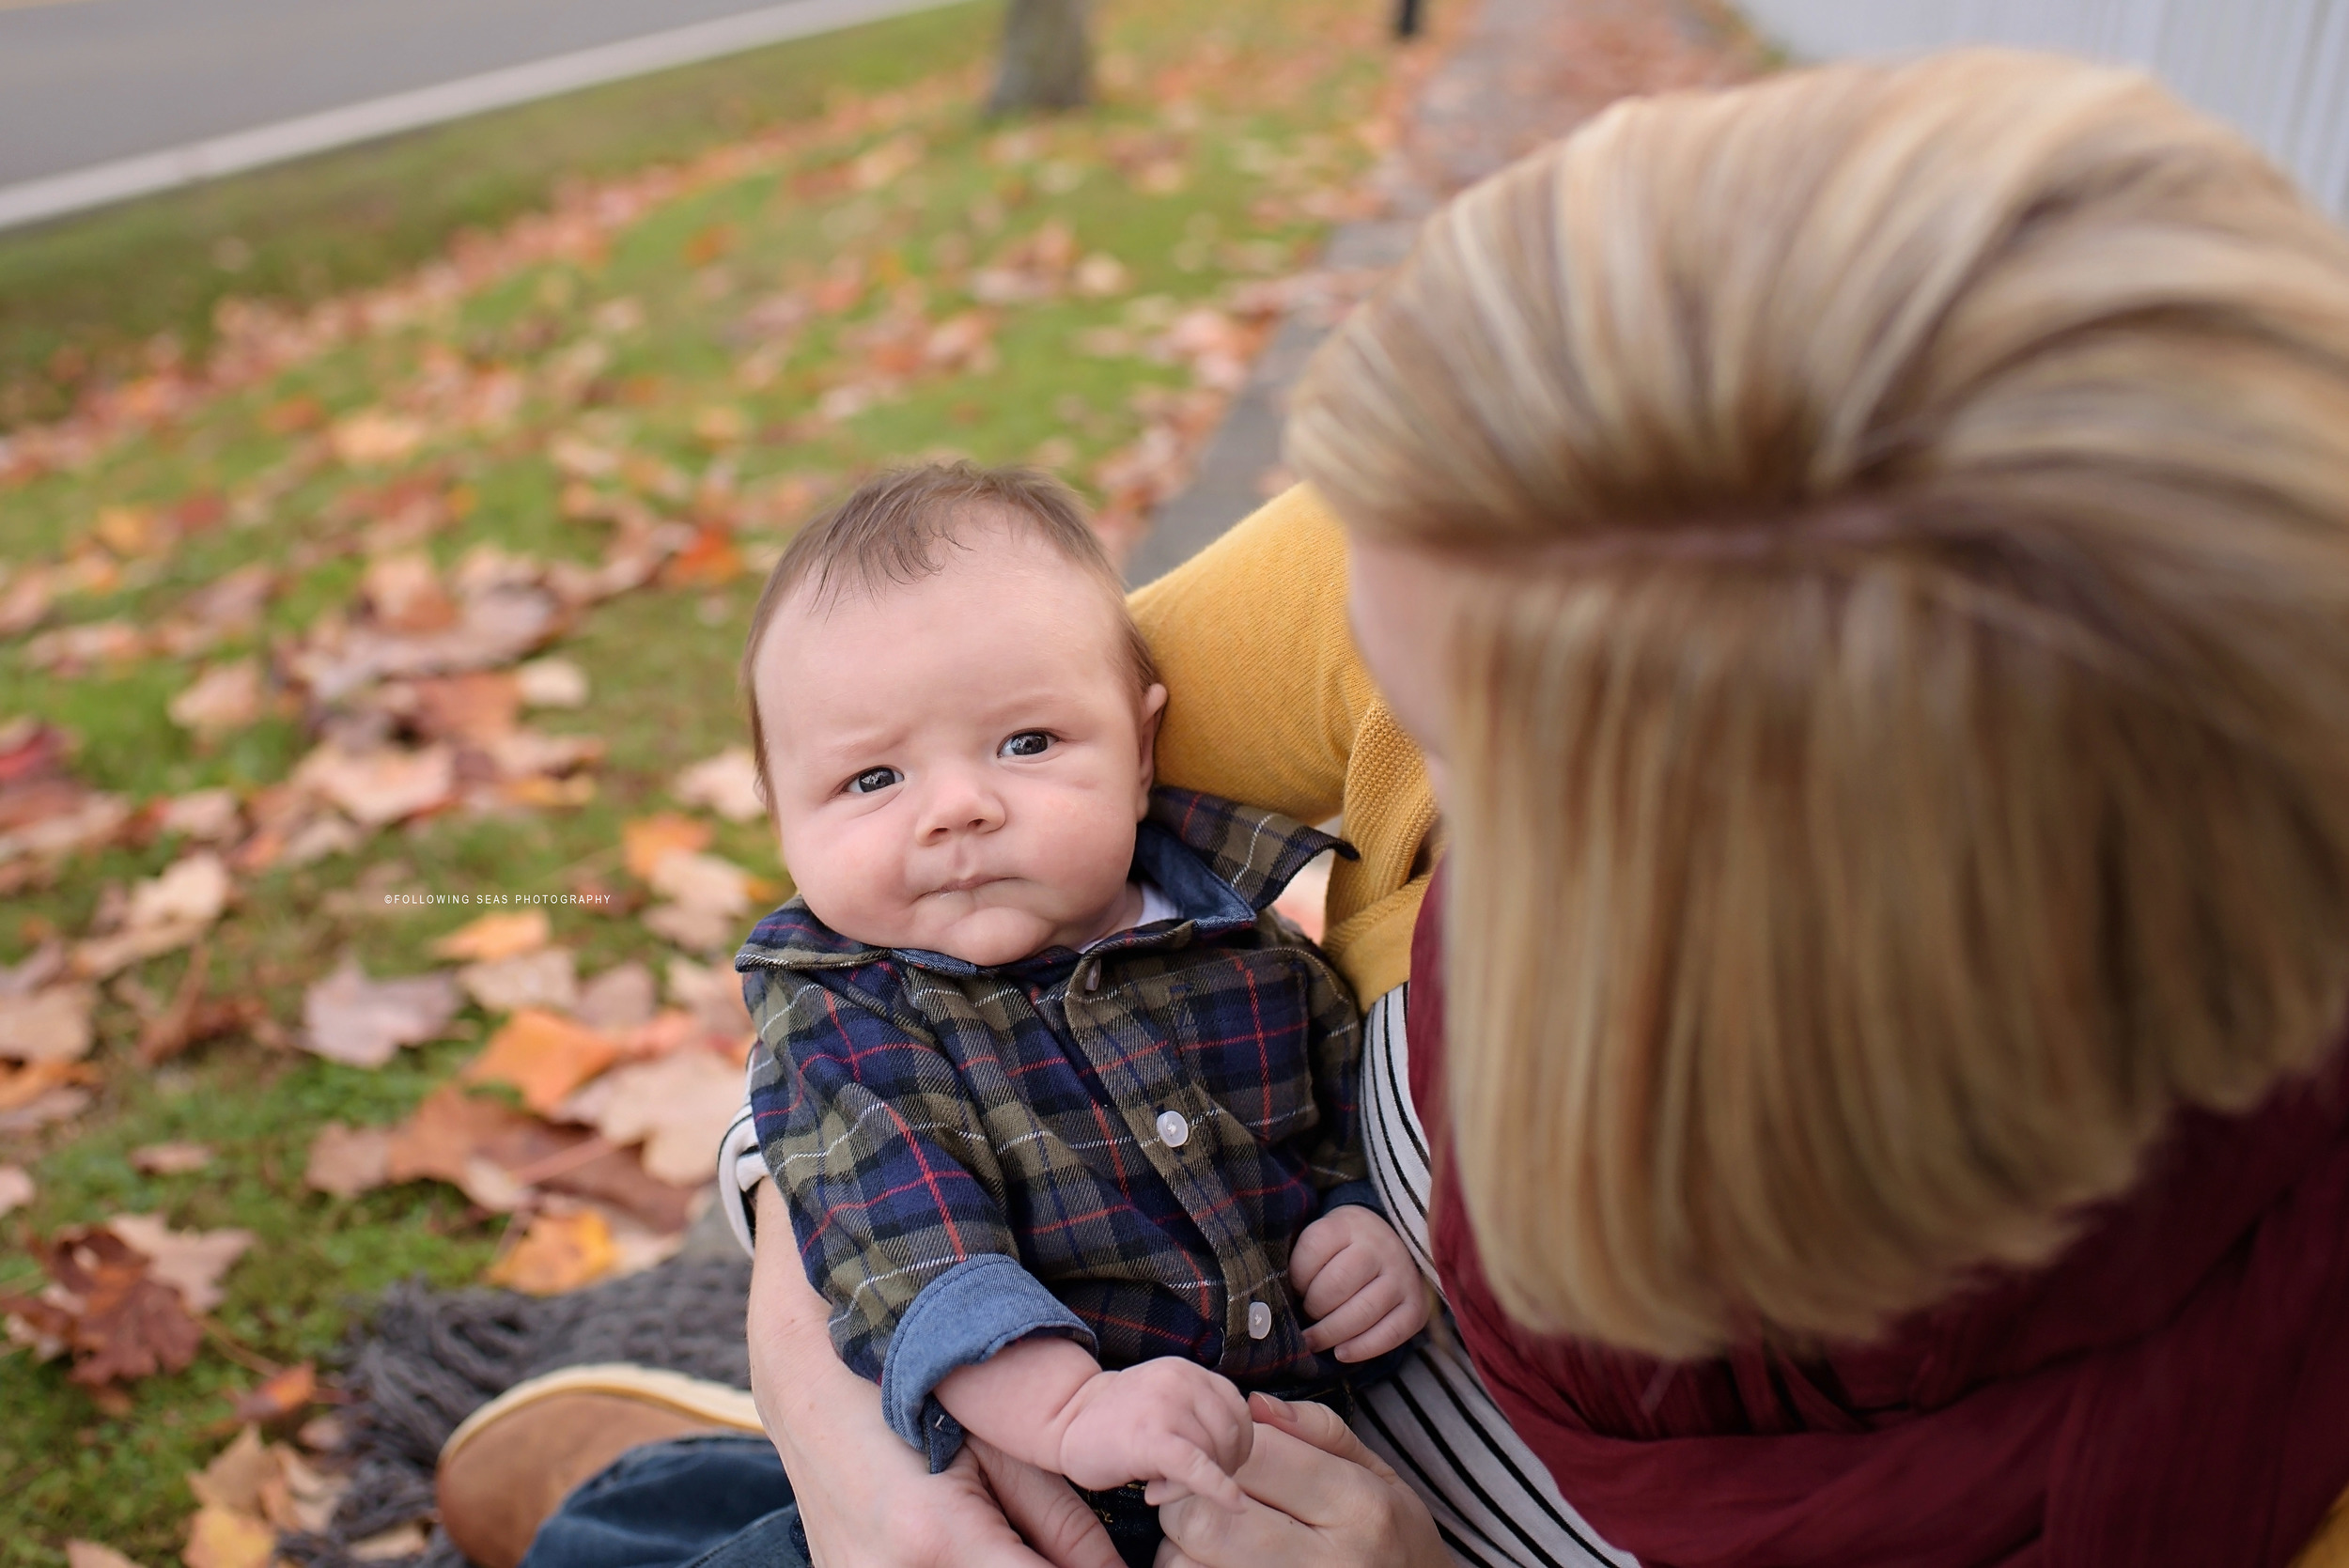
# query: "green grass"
[[84, 294], [1258, 103]]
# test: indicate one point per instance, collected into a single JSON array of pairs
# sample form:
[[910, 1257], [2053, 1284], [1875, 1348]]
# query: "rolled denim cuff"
[[961, 1318]]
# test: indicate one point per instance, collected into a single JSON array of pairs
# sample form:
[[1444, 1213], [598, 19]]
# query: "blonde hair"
[[1899, 731]]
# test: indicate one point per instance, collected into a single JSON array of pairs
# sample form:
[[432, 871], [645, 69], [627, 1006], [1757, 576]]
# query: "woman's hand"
[[867, 1499], [1320, 1500]]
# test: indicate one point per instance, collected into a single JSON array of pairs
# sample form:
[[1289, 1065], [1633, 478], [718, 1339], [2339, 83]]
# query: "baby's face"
[[957, 764]]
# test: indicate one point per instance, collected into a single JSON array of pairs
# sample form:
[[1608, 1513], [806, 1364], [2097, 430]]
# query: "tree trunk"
[[1047, 63]]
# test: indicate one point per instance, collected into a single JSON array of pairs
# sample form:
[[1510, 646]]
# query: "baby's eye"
[[874, 780], [1027, 743]]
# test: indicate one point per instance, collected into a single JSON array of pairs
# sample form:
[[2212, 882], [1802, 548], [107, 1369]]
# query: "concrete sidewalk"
[[1517, 73]]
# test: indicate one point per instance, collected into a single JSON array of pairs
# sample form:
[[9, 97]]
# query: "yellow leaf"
[[494, 937], [559, 1252], [222, 1538], [544, 1055]]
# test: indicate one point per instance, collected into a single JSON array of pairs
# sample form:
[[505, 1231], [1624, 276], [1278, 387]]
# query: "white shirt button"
[[1173, 1129], [1259, 1320]]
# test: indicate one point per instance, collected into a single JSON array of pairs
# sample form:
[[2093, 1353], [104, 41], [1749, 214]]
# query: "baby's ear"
[[1153, 709]]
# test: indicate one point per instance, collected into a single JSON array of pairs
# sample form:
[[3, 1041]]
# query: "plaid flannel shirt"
[[1119, 1144]]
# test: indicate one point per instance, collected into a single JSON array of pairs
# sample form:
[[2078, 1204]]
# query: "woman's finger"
[[1193, 1468], [1286, 1434], [1048, 1516]]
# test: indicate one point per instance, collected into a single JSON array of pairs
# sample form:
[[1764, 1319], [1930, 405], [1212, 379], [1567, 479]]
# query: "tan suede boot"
[[505, 1469]]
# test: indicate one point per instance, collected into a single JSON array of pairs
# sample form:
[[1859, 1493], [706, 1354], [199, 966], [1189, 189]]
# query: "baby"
[[1062, 1113]]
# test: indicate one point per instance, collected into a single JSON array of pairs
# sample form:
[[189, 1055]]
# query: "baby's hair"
[[894, 529]]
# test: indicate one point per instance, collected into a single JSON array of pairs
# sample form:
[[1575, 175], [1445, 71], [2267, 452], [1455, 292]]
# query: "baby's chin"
[[986, 937]]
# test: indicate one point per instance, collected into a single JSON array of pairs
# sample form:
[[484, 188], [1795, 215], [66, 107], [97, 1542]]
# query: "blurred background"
[[399, 407]]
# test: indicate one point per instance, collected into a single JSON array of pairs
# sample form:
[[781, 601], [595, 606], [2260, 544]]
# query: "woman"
[[1866, 559]]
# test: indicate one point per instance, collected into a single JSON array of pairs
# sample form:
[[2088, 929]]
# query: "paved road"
[[90, 82]]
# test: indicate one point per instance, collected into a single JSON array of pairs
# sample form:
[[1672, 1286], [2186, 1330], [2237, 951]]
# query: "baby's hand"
[[1163, 1420], [1358, 1283]]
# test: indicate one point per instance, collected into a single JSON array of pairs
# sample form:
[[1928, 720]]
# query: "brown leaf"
[[543, 1055], [707, 898], [618, 1001], [551, 683], [382, 784], [710, 561], [558, 1252], [16, 1188], [677, 1106], [21, 1087], [191, 1262], [206, 816], [164, 913], [122, 1322], [447, 1134], [346, 1161], [222, 1538], [224, 699], [288, 1393], [50, 1025], [170, 1159], [474, 707], [726, 783], [647, 841], [544, 978], [360, 1022]]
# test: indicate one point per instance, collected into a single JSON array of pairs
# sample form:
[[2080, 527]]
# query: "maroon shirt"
[[2172, 1389]]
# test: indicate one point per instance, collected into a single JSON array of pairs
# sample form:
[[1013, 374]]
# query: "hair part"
[[902, 526], [1900, 745]]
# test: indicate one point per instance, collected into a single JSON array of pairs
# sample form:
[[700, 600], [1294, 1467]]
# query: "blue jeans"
[[721, 1501]]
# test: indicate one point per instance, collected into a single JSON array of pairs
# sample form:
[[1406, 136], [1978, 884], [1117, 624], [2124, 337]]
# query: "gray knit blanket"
[[422, 1360]]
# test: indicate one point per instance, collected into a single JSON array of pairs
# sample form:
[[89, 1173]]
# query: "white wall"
[[2277, 69]]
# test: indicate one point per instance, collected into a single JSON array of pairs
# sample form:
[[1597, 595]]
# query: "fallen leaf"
[[494, 937], [373, 437], [678, 1107], [288, 1393], [298, 1498], [109, 1310], [191, 1262], [91, 1554], [647, 841], [193, 889], [40, 1092], [346, 1161], [51, 1025], [475, 707], [558, 1252], [493, 628], [726, 783], [360, 1022], [222, 1538], [709, 561], [170, 1159], [551, 683], [222, 700], [16, 1188], [619, 1000], [544, 978], [382, 784], [713, 994], [193, 1017], [207, 816], [447, 1134], [543, 1055], [234, 1479], [494, 1153], [707, 898]]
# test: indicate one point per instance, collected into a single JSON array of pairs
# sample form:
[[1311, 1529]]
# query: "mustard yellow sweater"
[[1272, 706]]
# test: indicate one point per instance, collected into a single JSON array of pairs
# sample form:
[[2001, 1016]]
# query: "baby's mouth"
[[966, 884]]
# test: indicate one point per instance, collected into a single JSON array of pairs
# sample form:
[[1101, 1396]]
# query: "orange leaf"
[[709, 561], [559, 1252], [290, 1390], [544, 1055], [647, 841], [494, 937]]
